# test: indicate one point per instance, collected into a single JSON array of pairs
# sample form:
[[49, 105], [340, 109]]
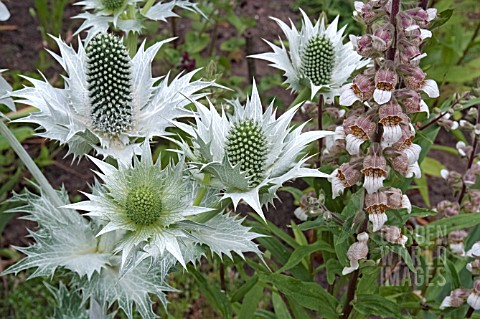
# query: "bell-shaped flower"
[[316, 57], [376, 204], [343, 177], [361, 89], [358, 130], [109, 100], [356, 252], [251, 152], [375, 171], [455, 242], [414, 79], [100, 15], [393, 235], [390, 116], [456, 298], [474, 298], [385, 81]]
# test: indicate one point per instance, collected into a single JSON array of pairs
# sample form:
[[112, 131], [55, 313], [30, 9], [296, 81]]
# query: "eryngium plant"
[[251, 153], [141, 224], [109, 100]]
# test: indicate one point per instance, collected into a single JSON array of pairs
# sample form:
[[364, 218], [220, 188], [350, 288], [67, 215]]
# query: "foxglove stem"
[[393, 18], [471, 158], [47, 189], [321, 103]]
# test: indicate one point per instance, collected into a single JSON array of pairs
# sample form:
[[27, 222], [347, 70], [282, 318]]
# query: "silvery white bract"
[[316, 57], [5, 90], [105, 112], [251, 153], [4, 13], [64, 239], [111, 12], [152, 209]]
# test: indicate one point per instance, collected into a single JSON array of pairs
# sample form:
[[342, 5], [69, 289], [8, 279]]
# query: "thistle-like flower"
[[251, 153], [152, 207], [108, 13], [4, 13], [109, 100], [316, 58]]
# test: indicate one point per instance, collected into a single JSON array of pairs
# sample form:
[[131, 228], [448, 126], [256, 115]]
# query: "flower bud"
[[356, 252], [474, 267], [393, 235], [448, 208]]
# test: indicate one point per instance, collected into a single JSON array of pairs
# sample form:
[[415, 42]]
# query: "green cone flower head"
[[250, 152], [146, 201], [316, 57], [100, 15], [110, 101], [109, 84]]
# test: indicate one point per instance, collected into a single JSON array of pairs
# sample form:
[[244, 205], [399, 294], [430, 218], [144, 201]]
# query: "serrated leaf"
[[225, 234], [231, 177]]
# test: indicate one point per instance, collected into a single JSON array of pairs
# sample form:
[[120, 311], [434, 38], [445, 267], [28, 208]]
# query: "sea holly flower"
[[152, 207], [112, 12], [316, 59], [356, 252], [250, 152], [109, 100], [4, 13]]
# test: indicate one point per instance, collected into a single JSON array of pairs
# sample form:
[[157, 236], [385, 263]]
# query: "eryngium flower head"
[[109, 100], [105, 13], [316, 59], [146, 201], [250, 152]]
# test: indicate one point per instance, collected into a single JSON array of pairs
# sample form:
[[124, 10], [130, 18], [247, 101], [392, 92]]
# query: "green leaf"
[[240, 292], [308, 294], [422, 186], [376, 305], [195, 43], [232, 44], [431, 167], [21, 133], [441, 19], [443, 226], [214, 295], [250, 302], [402, 252], [281, 309], [304, 251]]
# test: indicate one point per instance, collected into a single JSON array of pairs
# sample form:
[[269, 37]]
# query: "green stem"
[[301, 97], [147, 7], [131, 40], [203, 190], [45, 186]]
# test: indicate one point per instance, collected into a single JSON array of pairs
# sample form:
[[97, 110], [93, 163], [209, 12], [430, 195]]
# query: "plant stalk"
[[320, 106], [45, 186]]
